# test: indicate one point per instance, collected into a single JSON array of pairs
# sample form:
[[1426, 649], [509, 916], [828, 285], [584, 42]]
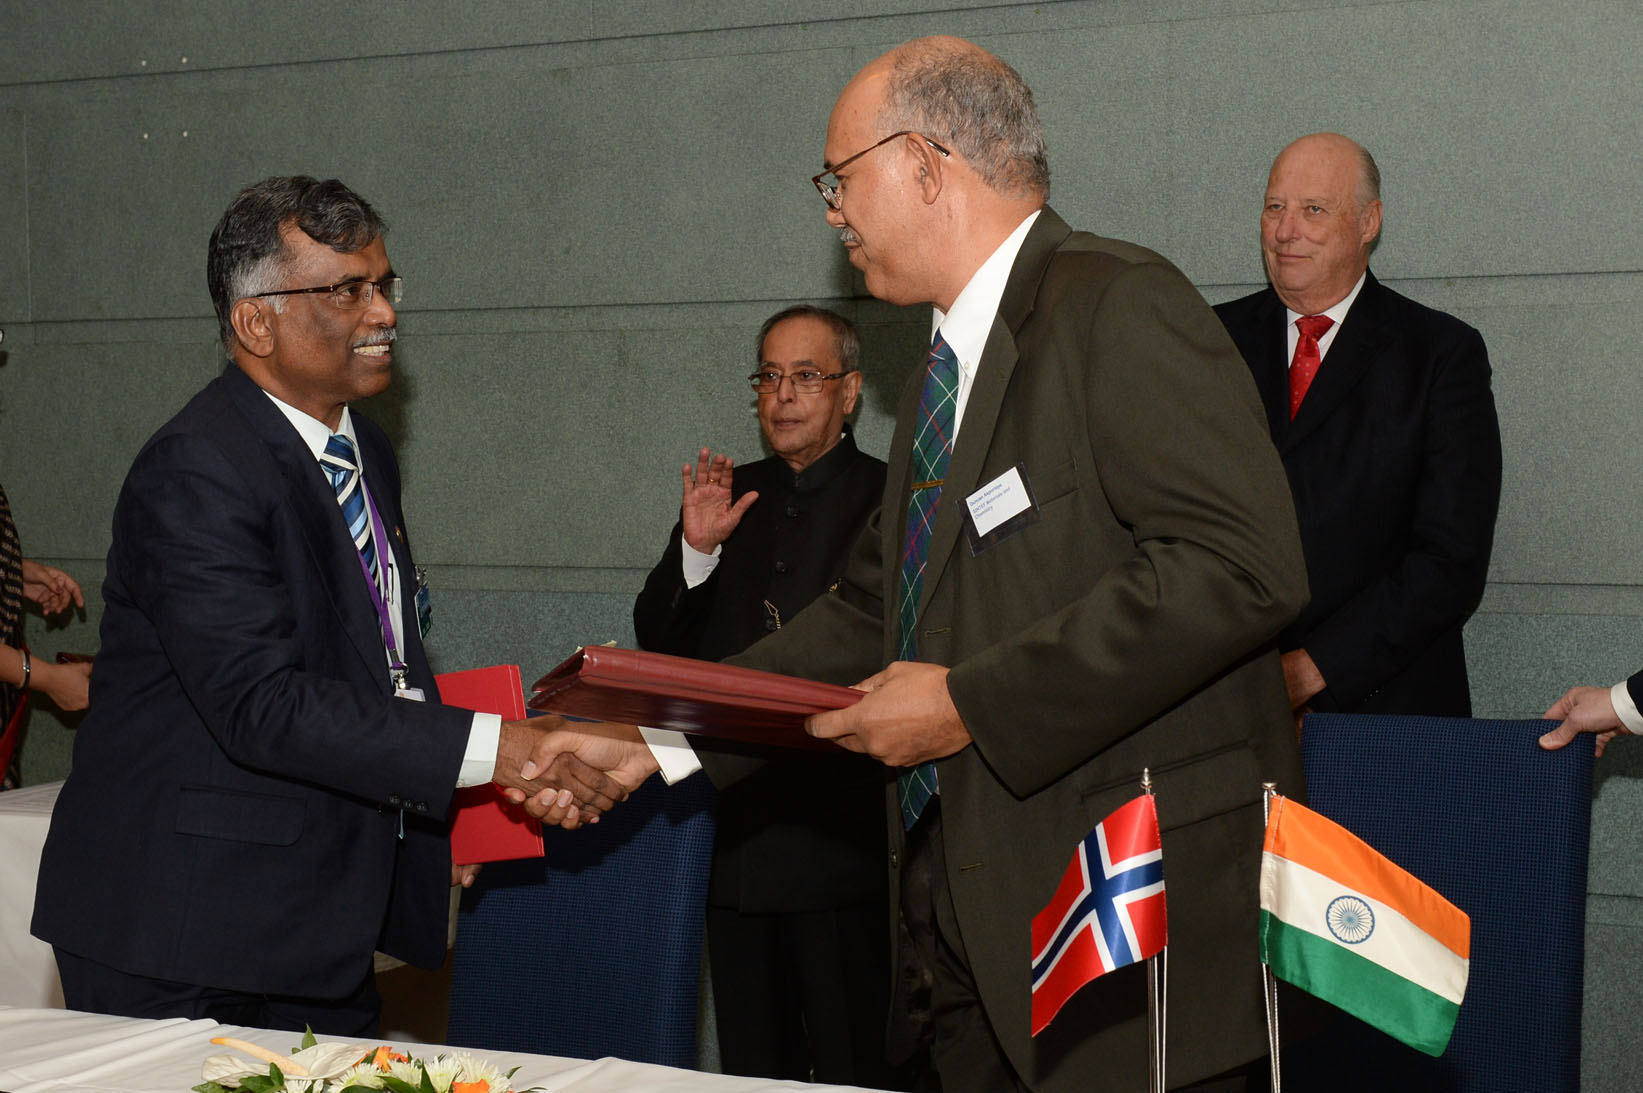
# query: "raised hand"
[[706, 510]]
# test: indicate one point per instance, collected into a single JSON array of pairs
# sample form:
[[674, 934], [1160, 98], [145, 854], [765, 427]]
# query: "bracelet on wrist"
[[27, 670]]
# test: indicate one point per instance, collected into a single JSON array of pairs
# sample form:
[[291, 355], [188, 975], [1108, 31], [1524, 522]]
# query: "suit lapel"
[[1268, 342], [319, 517], [1356, 347], [986, 398]]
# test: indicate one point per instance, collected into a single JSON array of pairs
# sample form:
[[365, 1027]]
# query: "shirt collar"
[[1338, 312], [314, 432], [969, 321]]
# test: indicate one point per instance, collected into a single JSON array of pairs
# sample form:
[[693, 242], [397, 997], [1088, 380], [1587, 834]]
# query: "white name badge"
[[997, 501], [1000, 509]]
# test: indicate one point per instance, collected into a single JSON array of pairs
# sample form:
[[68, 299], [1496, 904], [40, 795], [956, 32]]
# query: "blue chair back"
[[1477, 810], [595, 949]]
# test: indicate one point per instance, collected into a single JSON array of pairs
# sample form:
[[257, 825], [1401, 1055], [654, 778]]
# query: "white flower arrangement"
[[330, 1068]]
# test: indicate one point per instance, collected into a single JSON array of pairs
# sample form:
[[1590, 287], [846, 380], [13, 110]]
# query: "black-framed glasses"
[[831, 191], [349, 295], [806, 381]]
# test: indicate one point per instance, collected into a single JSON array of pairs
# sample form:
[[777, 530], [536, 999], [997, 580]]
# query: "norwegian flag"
[[1107, 912]]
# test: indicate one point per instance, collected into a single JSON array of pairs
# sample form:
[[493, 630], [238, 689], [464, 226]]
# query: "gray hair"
[[846, 341], [957, 94], [247, 255]]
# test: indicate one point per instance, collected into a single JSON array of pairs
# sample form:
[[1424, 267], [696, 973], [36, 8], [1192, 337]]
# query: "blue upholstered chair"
[[1478, 811], [594, 949]]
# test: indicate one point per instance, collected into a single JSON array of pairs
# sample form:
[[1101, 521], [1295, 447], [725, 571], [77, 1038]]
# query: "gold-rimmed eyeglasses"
[[832, 191]]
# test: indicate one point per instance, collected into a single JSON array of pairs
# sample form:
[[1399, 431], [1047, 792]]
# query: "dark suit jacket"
[[804, 833], [1132, 626], [234, 811], [1394, 464]]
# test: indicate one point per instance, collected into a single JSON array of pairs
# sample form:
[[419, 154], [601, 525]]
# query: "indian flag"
[[1342, 922]]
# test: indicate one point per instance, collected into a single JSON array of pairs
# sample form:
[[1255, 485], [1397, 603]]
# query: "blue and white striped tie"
[[342, 464]]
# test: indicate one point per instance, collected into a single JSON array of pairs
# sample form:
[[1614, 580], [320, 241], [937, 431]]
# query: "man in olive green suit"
[[1120, 615]]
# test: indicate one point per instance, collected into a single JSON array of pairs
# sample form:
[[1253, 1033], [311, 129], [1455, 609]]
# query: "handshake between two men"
[[566, 773]]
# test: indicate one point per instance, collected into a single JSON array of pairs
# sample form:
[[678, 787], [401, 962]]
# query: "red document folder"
[[694, 696], [485, 826]]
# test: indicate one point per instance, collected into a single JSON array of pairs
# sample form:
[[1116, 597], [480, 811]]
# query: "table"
[[28, 973], [61, 1051]]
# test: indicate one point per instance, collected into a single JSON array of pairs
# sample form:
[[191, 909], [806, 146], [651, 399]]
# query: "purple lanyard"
[[396, 666]]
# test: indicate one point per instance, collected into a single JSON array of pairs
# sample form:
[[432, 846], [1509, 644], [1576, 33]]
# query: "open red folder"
[[486, 826], [694, 696]]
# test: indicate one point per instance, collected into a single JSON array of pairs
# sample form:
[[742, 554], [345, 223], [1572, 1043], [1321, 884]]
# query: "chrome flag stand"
[[1269, 984], [1157, 993]]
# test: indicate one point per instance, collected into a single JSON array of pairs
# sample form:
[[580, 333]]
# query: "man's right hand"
[[706, 510], [536, 759], [616, 751]]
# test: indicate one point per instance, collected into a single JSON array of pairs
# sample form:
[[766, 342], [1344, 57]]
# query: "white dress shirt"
[[485, 732], [1338, 313]]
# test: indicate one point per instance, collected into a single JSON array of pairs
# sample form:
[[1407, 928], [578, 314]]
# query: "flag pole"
[[1157, 992], [1269, 985]]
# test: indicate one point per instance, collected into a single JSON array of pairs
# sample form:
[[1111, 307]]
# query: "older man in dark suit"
[[1381, 411], [259, 791], [796, 898], [1084, 556]]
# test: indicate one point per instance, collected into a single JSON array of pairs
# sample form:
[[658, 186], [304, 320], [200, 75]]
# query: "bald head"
[[1319, 221]]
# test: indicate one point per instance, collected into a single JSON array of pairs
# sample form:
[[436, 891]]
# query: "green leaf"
[[399, 1085], [213, 1087], [308, 1040], [427, 1084]]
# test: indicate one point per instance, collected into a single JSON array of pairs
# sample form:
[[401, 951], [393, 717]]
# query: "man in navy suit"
[[1382, 413], [259, 791]]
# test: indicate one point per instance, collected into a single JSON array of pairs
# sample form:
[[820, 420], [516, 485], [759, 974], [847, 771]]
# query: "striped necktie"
[[342, 464], [932, 448]]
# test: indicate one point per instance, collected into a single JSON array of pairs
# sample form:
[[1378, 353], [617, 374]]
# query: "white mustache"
[[382, 337]]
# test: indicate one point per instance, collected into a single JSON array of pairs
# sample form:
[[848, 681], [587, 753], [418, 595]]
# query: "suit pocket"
[[1055, 482], [243, 817], [1192, 789]]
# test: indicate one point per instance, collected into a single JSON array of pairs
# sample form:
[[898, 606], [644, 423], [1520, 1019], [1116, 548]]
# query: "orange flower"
[[471, 1087], [385, 1056]]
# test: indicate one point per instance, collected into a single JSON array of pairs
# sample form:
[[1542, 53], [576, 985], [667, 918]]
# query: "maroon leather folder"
[[693, 696]]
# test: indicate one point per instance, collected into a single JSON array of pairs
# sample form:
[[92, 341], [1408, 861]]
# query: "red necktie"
[[1307, 358]]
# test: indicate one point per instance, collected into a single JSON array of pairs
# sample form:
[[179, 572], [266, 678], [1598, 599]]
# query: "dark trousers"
[[802, 995], [97, 988], [964, 1055]]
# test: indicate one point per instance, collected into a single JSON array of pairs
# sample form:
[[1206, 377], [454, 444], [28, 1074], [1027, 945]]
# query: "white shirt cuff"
[[1625, 708], [698, 567], [479, 760], [672, 751]]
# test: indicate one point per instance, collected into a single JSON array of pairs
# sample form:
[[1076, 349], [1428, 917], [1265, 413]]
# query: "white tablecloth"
[[60, 1051], [28, 974]]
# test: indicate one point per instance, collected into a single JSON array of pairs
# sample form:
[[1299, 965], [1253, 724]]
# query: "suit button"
[[422, 806], [781, 567], [895, 859], [792, 511], [394, 801]]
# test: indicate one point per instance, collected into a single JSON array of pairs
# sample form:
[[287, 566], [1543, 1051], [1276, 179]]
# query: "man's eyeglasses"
[[830, 191], [349, 295], [806, 381]]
